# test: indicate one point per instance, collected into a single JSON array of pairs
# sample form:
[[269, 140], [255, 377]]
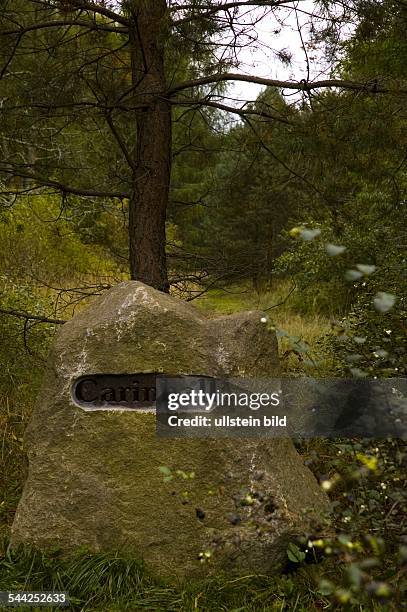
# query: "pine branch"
[[242, 112], [227, 6], [303, 85], [96, 9], [43, 182], [91, 25]]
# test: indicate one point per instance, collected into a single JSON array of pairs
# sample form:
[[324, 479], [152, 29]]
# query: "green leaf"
[[295, 554]]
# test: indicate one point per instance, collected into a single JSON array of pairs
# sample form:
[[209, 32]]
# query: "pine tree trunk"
[[152, 168]]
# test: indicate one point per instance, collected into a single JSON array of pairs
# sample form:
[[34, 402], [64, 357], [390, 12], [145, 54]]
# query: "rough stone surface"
[[93, 476]]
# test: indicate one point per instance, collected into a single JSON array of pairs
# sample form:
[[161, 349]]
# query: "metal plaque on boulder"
[[107, 391]]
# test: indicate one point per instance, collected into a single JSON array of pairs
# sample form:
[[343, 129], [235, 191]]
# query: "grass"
[[113, 582], [293, 329], [14, 415], [102, 582]]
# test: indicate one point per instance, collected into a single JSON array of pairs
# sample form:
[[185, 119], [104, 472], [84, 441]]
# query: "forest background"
[[290, 203]]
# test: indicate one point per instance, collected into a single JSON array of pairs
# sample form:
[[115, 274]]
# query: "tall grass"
[[281, 306], [111, 581]]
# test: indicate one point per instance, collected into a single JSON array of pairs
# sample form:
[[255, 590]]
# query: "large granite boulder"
[[94, 477]]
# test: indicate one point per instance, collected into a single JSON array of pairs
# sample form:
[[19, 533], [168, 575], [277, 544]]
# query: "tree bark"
[[152, 168]]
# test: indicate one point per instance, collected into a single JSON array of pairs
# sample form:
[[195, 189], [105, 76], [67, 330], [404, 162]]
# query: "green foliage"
[[39, 242], [294, 553], [27, 349], [370, 342], [319, 276], [379, 45], [371, 273], [41, 256], [235, 232], [365, 480], [23, 350]]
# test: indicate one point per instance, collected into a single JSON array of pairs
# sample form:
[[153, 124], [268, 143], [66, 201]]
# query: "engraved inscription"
[[131, 391]]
